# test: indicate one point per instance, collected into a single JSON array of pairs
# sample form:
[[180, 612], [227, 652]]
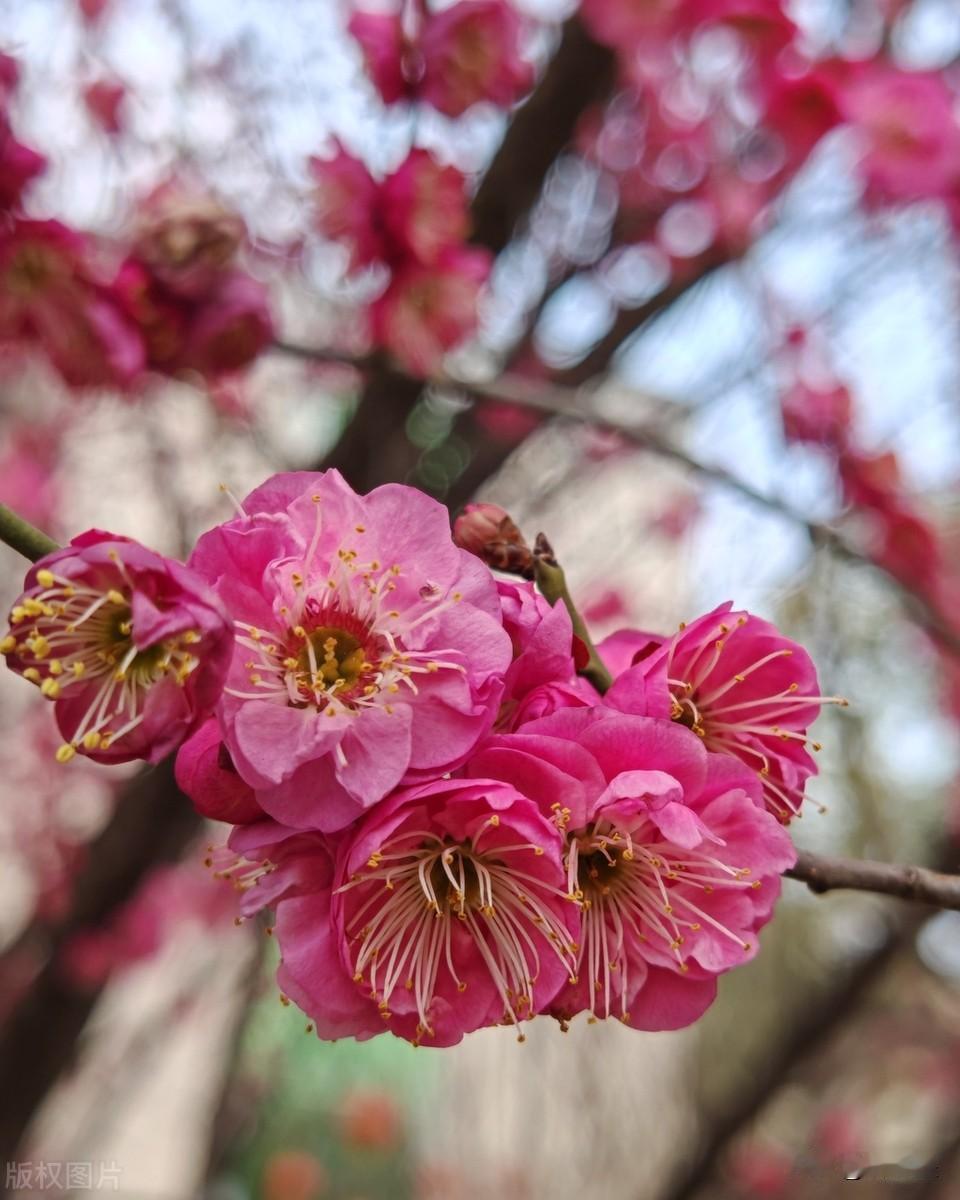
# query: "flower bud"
[[487, 531]]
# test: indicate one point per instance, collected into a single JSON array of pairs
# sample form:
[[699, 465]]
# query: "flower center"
[[416, 895], [635, 888], [74, 636], [345, 647]]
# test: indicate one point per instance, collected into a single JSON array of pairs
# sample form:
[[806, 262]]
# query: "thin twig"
[[23, 537]]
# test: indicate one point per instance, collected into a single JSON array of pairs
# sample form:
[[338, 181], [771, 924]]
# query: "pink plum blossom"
[[471, 53], [487, 531], [345, 206], [104, 99], [818, 415], [450, 59], [801, 109], [743, 688], [907, 128], [49, 295], [446, 911], [542, 676], [19, 165], [424, 208], [205, 772], [369, 647], [389, 57], [230, 328], [186, 239], [426, 311], [762, 24], [670, 856], [131, 647], [628, 23]]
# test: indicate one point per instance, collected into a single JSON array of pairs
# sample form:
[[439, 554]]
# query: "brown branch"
[[153, 823], [580, 73], [826, 873]]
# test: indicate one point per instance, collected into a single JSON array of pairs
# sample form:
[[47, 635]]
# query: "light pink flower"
[[742, 687], [424, 208], [426, 311], [369, 646], [448, 912], [131, 647], [670, 855], [908, 132], [471, 52]]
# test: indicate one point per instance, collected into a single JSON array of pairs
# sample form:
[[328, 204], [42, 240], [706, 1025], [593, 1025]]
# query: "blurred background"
[[715, 357]]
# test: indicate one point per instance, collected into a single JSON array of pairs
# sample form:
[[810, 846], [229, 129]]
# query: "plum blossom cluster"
[[455, 828], [450, 59], [178, 302], [414, 222], [667, 134]]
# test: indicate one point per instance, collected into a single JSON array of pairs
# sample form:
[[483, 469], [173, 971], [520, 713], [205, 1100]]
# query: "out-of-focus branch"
[[580, 73], [826, 873], [153, 823], [629, 320], [374, 446], [559, 401]]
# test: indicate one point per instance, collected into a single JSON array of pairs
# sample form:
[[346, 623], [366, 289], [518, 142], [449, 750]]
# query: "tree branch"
[[826, 873]]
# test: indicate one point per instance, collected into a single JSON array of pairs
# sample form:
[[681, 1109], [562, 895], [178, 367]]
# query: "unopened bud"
[[487, 531]]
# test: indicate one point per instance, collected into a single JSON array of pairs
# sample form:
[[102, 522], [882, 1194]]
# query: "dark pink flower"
[[205, 772], [131, 647], [426, 311], [19, 165], [390, 58], [742, 687], [345, 206], [542, 676], [424, 209], [448, 912], [230, 328], [471, 52], [104, 100], [821, 416], [670, 856], [49, 295], [369, 646], [801, 109], [624, 24]]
